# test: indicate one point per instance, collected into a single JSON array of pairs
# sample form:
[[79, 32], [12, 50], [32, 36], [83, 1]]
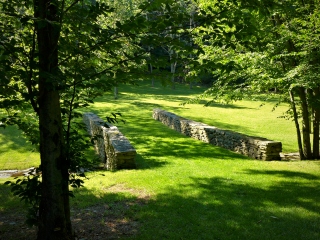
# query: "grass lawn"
[[192, 190], [15, 151]]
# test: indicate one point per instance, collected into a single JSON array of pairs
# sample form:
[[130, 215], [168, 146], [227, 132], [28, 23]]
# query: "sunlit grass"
[[255, 118], [15, 151], [215, 194], [192, 190], [136, 104]]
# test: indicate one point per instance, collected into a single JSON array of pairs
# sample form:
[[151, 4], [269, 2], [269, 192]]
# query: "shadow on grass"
[[13, 139], [129, 114], [156, 142], [8, 201], [206, 208], [159, 89], [161, 142], [220, 105], [139, 104], [222, 208], [286, 174], [136, 106], [172, 96], [15, 151], [123, 97], [147, 162], [226, 209], [110, 214]]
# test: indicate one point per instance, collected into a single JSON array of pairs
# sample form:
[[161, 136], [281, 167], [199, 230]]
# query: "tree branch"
[[68, 8], [29, 81]]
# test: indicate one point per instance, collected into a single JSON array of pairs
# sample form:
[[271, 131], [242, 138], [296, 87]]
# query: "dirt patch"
[[105, 222], [141, 194], [12, 226], [108, 221]]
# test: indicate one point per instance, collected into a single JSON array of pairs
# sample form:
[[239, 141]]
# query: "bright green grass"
[[216, 197], [15, 151], [197, 191], [246, 117]]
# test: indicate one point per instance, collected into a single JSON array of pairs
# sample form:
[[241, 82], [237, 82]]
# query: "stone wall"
[[254, 147], [113, 148]]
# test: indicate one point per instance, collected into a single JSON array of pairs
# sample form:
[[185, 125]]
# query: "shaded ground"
[[105, 222], [97, 222]]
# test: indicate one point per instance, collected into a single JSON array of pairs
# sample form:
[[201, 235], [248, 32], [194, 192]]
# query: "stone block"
[[113, 148]]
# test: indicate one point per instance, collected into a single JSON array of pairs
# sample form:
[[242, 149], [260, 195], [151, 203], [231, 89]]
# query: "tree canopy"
[[267, 47]]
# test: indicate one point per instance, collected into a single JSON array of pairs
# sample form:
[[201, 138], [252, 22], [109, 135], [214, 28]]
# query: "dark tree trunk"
[[316, 123], [295, 117], [115, 92], [54, 211], [151, 71], [150, 67], [305, 123], [173, 71]]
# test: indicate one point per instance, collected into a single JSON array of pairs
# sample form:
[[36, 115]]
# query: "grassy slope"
[[204, 192], [245, 116], [15, 151], [198, 191]]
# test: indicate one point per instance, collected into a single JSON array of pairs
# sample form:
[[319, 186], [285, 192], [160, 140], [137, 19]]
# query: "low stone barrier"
[[254, 147], [113, 148]]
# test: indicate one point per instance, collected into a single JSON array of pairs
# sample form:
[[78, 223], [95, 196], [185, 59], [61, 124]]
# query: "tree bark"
[[295, 117], [150, 67], [54, 210], [305, 123], [316, 123], [173, 71], [115, 92], [151, 71]]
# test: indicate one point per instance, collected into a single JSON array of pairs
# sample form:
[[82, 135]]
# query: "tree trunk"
[[151, 71], [305, 123], [295, 117], [316, 122], [150, 67], [54, 210], [173, 71], [191, 26], [115, 92]]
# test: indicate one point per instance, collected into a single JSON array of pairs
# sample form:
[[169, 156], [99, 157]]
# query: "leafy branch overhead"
[[114, 119]]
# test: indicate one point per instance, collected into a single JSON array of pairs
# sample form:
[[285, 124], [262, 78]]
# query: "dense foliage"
[[269, 47]]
